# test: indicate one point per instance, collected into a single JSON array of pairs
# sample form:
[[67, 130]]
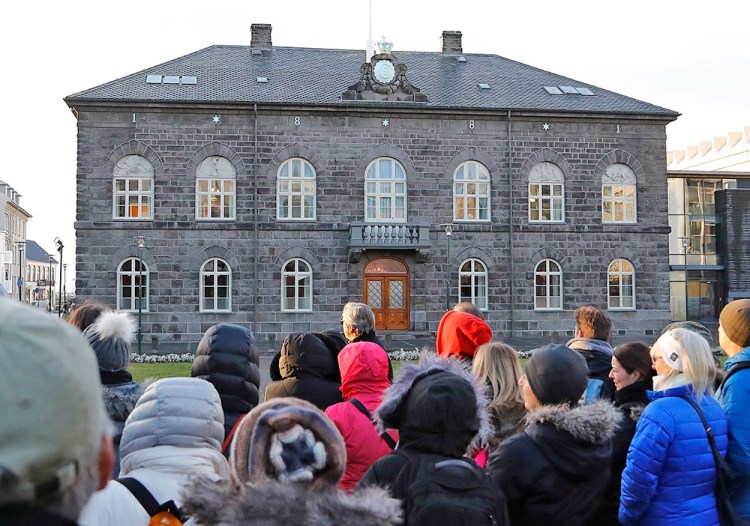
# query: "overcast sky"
[[688, 56]]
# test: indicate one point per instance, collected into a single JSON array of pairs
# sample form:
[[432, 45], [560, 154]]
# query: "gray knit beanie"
[[557, 374], [110, 336]]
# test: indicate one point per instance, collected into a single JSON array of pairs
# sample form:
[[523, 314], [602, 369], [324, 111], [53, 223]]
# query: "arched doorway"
[[387, 293]]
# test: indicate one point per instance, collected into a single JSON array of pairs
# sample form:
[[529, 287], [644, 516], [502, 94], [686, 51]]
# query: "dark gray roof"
[[36, 253], [228, 74]]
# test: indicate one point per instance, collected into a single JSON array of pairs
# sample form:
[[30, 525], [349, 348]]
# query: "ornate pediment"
[[383, 78]]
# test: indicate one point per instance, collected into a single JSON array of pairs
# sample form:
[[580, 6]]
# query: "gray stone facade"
[[733, 242], [340, 141]]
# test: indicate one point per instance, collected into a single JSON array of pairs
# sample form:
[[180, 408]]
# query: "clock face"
[[384, 71]]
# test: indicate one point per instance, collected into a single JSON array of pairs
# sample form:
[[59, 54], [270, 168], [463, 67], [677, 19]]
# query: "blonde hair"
[[697, 362], [497, 364]]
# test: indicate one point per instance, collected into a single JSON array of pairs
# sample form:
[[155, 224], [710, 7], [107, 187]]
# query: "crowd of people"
[[582, 434]]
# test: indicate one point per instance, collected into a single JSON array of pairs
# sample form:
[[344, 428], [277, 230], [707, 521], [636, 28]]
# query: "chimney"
[[260, 35], [451, 42]]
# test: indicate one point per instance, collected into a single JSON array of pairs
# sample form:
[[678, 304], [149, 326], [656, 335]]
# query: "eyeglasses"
[[341, 320]]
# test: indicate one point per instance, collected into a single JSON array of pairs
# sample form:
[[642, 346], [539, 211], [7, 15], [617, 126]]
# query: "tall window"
[[296, 190], [215, 189], [546, 193], [472, 283], [132, 285], [385, 191], [621, 281], [216, 286], [618, 194], [133, 188], [548, 285], [296, 286], [471, 192]]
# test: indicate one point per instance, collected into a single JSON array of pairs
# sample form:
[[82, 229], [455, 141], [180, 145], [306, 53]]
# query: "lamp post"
[[49, 284], [65, 279], [141, 242], [685, 242], [448, 232], [60, 247]]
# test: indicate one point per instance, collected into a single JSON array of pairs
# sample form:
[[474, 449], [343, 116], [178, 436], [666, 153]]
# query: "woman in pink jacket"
[[364, 379]]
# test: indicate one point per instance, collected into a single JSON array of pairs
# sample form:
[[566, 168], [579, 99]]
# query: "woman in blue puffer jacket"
[[670, 472]]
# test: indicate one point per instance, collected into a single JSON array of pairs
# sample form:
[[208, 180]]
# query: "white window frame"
[[134, 275], [475, 271], [137, 177], [215, 190], [301, 278], [619, 179], [547, 193], [296, 180], [471, 192], [214, 276], [616, 272], [549, 277], [383, 194]]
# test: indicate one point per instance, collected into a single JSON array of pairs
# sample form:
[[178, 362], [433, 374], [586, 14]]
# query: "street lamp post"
[[49, 284], [448, 232], [141, 242], [65, 279], [685, 242], [60, 247]]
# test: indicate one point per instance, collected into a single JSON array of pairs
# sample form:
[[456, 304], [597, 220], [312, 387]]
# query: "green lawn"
[[141, 371]]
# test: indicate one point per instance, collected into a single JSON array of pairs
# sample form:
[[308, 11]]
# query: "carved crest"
[[370, 88]]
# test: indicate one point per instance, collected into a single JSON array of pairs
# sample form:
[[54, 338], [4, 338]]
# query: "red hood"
[[364, 369], [460, 333]]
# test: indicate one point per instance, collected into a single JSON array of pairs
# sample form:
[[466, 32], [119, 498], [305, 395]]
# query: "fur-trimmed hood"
[[274, 503], [119, 400], [574, 438], [438, 406]]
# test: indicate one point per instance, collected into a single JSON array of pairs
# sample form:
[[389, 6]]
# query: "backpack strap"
[[362, 409], [731, 371], [144, 497], [721, 463], [230, 436]]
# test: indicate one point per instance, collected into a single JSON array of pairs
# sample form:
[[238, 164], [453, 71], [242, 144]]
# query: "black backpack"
[[449, 491]]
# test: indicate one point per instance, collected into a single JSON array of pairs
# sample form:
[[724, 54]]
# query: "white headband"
[[670, 350]]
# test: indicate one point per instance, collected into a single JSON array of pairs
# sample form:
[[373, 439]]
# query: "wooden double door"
[[387, 293]]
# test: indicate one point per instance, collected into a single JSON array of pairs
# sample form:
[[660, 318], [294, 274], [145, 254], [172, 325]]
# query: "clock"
[[384, 71]]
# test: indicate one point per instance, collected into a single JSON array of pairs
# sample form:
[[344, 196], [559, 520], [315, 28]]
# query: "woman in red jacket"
[[364, 379]]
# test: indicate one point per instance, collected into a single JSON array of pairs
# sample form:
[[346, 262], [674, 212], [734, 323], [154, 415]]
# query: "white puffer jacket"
[[174, 433]]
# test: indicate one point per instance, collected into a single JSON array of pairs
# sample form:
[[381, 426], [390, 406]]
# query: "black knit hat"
[[735, 320], [557, 374]]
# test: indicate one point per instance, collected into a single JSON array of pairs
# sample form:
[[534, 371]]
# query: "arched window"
[[621, 285], [215, 189], [471, 192], [216, 286], [296, 286], [472, 283], [546, 193], [618, 194], [385, 191], [547, 285], [133, 188], [132, 285], [296, 190]]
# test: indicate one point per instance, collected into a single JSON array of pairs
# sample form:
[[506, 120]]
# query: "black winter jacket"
[[309, 369], [227, 357], [598, 355], [555, 472]]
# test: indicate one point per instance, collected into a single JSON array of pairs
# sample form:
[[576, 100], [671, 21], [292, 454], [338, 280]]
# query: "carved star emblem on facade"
[[546, 126], [217, 119], [386, 122]]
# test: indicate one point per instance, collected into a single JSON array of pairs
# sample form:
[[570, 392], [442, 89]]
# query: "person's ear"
[[106, 460]]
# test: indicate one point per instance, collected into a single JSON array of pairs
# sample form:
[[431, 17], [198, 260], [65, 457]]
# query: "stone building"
[[269, 185], [12, 241]]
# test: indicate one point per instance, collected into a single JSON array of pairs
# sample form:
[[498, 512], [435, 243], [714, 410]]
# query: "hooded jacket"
[[735, 399], [174, 433], [598, 354], [119, 401], [439, 409], [460, 333], [555, 471], [670, 472], [227, 357], [309, 369], [364, 376]]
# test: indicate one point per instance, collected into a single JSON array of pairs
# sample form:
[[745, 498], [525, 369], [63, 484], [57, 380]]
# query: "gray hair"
[[359, 315]]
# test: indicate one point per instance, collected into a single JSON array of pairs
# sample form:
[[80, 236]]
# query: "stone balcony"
[[389, 236]]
